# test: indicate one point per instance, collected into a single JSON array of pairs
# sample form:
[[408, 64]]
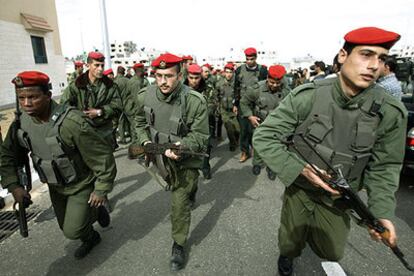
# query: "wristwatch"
[[99, 112]]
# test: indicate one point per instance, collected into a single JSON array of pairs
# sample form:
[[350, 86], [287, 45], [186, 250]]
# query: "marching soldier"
[[259, 100], [123, 124], [354, 125], [78, 71], [109, 73], [197, 83], [246, 75], [58, 138], [225, 91], [97, 96], [171, 112]]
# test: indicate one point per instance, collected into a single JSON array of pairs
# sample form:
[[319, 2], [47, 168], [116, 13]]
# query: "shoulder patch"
[[303, 87], [192, 93]]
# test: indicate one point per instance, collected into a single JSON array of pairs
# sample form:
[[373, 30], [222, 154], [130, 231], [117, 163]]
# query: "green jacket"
[[134, 86], [122, 82], [381, 175], [225, 93], [104, 94], [210, 94], [253, 101], [76, 133], [196, 118]]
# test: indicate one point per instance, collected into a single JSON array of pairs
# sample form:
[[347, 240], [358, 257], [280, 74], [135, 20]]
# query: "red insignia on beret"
[[166, 61], [30, 78], [372, 36], [250, 51], [108, 71], [229, 66], [96, 55], [138, 65], [276, 71], [194, 69], [78, 64]]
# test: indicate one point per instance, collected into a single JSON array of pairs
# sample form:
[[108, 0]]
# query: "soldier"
[[259, 100], [352, 123], [225, 91], [109, 73], [58, 138], [78, 71], [171, 112], [187, 61], [207, 75], [197, 83], [97, 96], [124, 123], [246, 75]]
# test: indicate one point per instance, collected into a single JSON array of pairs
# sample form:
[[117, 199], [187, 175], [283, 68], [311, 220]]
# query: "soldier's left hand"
[[391, 240], [170, 154], [91, 113], [96, 201]]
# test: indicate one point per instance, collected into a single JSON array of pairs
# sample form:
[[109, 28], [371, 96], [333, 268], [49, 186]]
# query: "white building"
[[29, 41], [406, 51]]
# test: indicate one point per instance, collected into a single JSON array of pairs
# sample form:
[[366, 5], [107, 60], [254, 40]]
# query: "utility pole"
[[105, 39]]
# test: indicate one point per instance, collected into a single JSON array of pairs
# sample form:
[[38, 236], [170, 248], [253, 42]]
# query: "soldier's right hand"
[[19, 193], [235, 110], [316, 181], [255, 121]]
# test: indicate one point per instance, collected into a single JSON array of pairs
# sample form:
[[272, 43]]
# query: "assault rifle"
[[24, 175], [135, 151], [349, 200]]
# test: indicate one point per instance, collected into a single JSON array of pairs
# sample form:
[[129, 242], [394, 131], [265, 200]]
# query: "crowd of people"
[[342, 112]]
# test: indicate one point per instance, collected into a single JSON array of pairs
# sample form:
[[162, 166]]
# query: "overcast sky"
[[293, 28]]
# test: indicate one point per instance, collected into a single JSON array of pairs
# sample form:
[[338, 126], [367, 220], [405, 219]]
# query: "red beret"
[[250, 52], [166, 61], [30, 78], [229, 66], [78, 64], [108, 71], [194, 69], [138, 65], [276, 71], [372, 36], [187, 57], [96, 55], [208, 66]]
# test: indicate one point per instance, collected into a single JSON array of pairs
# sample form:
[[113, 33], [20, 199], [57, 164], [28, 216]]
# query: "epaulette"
[[303, 87], [196, 94], [397, 105]]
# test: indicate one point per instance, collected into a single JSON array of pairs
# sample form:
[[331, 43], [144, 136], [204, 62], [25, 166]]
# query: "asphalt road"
[[233, 232]]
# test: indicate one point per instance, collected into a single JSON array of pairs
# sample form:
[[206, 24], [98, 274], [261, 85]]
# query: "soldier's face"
[[34, 101], [167, 79], [205, 73], [228, 74], [251, 61], [360, 68], [194, 80], [96, 68], [274, 84]]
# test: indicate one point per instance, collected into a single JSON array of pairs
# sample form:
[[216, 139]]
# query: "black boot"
[[192, 200], [270, 174], [87, 245], [177, 257], [285, 266], [103, 217], [256, 169], [207, 173]]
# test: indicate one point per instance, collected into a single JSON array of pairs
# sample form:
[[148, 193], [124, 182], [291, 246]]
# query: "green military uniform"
[[225, 91], [103, 94], [245, 77], [178, 116], [364, 134], [259, 101], [122, 123], [134, 85], [63, 157], [73, 76]]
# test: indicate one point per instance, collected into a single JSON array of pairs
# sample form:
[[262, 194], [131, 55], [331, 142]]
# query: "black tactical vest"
[[344, 137], [55, 163], [226, 94]]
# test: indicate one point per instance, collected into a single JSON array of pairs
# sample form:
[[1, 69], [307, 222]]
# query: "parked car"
[[408, 100]]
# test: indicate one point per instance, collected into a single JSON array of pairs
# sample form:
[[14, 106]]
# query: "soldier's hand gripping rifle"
[[24, 176], [349, 200], [134, 151]]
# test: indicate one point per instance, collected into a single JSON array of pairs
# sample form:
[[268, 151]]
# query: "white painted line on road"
[[333, 269]]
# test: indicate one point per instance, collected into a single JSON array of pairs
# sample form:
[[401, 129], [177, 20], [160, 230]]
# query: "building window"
[[39, 49]]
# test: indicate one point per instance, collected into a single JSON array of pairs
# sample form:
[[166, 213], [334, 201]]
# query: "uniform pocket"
[[319, 128]]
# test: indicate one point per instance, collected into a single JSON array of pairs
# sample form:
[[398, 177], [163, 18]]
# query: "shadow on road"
[[405, 200]]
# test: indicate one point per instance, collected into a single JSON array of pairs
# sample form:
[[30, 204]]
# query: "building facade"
[[29, 41]]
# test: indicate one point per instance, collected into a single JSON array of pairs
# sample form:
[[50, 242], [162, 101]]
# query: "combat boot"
[[285, 266], [207, 174], [270, 174], [103, 217], [177, 257], [256, 169], [87, 245], [192, 200]]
